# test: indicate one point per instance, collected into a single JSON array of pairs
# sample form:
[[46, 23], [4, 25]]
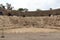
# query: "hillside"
[[11, 22]]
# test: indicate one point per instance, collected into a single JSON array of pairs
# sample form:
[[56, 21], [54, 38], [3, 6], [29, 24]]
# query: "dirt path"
[[33, 30], [31, 36]]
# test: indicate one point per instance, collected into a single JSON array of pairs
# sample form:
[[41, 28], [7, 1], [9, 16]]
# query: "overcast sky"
[[33, 4]]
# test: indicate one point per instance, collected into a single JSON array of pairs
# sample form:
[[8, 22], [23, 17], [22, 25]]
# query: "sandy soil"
[[31, 36], [33, 30]]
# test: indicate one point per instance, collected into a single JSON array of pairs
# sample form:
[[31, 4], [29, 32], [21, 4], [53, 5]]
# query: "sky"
[[33, 4]]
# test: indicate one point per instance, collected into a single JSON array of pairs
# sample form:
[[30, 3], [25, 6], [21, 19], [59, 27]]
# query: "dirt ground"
[[33, 30], [31, 36]]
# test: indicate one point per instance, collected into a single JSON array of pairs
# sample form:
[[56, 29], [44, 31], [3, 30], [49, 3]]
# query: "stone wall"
[[31, 13]]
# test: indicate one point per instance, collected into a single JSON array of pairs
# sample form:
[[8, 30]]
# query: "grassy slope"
[[26, 22]]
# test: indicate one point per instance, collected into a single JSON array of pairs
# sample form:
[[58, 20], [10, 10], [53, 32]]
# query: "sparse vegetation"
[[27, 22]]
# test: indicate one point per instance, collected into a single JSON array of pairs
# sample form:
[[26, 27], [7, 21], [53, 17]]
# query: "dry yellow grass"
[[24, 24], [37, 22], [33, 30]]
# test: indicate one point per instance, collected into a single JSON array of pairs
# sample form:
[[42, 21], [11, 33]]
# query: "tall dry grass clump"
[[11, 22]]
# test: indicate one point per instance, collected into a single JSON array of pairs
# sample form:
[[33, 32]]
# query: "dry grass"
[[37, 22], [33, 30], [23, 24]]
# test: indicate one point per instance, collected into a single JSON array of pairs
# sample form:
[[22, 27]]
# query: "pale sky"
[[33, 4]]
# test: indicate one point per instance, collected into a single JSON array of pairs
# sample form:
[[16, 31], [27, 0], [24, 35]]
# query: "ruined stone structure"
[[30, 13]]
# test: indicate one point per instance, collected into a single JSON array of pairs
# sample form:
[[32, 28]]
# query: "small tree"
[[38, 10], [2, 6], [21, 9], [9, 7], [25, 9]]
